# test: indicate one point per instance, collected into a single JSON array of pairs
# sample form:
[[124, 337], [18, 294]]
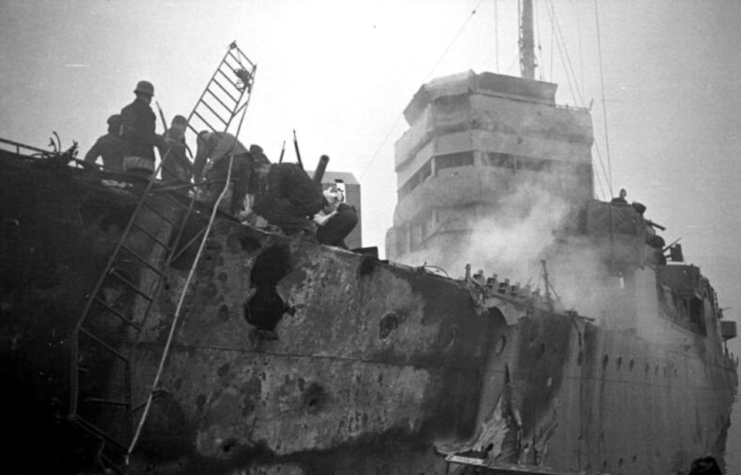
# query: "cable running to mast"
[[604, 103]]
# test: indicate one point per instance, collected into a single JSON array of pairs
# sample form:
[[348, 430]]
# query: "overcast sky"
[[341, 72]]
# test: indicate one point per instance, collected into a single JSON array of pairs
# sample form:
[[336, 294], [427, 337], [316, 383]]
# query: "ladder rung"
[[221, 102], [92, 428], [224, 89], [175, 201], [213, 129], [234, 85], [216, 114], [105, 345], [241, 57], [159, 213], [234, 57], [195, 130], [151, 236], [119, 314], [97, 400], [141, 259], [234, 70], [131, 285]]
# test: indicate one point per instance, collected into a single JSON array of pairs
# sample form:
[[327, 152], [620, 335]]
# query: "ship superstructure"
[[474, 142], [157, 360]]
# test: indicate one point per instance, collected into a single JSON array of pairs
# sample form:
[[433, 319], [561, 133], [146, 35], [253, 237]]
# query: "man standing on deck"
[[620, 200], [138, 131], [176, 168], [109, 146]]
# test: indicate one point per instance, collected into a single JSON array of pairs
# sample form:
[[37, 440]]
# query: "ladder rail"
[[137, 325], [178, 313], [200, 99], [214, 83], [184, 291], [74, 386]]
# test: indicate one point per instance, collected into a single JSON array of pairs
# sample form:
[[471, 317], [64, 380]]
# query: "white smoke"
[[526, 228]]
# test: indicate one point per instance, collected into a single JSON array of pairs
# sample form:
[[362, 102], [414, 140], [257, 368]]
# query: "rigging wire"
[[599, 183], [496, 34], [432, 71], [563, 50], [561, 43], [540, 46], [581, 53], [553, 39], [602, 166], [604, 103]]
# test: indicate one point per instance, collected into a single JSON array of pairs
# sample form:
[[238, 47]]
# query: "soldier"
[[138, 131], [212, 162], [109, 146], [620, 200], [175, 164]]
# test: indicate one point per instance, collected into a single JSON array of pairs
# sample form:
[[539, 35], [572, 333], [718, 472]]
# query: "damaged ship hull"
[[376, 368]]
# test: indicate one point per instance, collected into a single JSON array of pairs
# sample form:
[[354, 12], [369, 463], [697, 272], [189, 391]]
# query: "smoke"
[[506, 239], [511, 240], [533, 223], [580, 278]]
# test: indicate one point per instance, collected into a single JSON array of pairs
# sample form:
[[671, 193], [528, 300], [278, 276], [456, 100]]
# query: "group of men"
[[282, 194]]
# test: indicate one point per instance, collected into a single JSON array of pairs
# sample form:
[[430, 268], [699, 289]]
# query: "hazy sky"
[[341, 72]]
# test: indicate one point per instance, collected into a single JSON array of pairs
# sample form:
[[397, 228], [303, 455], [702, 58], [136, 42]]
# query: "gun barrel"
[[320, 169], [298, 153]]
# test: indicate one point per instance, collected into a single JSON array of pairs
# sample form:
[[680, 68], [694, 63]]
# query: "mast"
[[527, 41]]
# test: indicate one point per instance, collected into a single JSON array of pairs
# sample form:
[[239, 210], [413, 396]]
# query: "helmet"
[[144, 87], [179, 120], [258, 156], [114, 120]]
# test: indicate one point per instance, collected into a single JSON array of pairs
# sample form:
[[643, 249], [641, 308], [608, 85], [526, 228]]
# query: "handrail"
[[19, 145]]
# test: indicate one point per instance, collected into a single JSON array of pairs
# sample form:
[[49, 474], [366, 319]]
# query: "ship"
[[146, 331]]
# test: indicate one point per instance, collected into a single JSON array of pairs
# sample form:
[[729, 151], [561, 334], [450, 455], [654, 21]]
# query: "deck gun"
[[282, 152]]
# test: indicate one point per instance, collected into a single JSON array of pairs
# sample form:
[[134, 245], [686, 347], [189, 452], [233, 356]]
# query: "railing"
[[18, 146]]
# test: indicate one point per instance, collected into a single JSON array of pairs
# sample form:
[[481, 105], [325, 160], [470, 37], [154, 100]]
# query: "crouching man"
[[286, 196], [336, 220]]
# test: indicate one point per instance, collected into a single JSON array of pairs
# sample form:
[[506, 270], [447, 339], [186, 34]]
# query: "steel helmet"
[[114, 120], [144, 87]]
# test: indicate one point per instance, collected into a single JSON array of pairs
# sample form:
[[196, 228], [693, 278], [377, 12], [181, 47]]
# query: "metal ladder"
[[227, 94], [100, 362]]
